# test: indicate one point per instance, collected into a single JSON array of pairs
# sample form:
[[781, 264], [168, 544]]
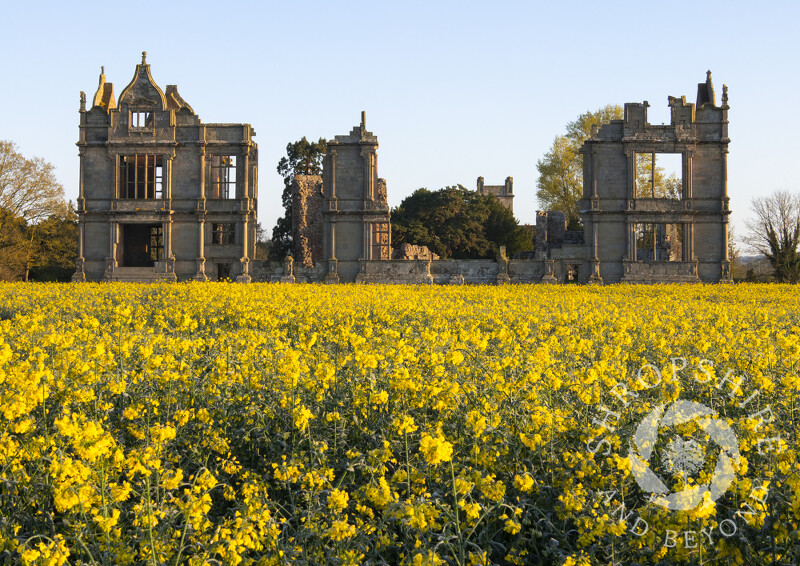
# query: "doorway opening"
[[142, 244]]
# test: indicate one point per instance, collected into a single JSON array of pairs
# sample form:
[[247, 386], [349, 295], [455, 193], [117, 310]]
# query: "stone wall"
[[307, 220], [616, 211], [436, 272], [192, 216]]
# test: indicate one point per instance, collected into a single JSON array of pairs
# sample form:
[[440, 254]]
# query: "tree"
[[302, 158], [30, 195], [774, 231], [458, 223], [53, 248], [560, 184]]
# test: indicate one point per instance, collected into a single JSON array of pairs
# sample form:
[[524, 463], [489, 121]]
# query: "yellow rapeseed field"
[[276, 424]]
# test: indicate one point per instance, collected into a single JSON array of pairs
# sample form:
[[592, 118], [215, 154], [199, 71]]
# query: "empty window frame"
[[222, 233], [380, 240], [141, 120], [141, 176], [156, 249], [659, 175], [223, 176], [659, 242]]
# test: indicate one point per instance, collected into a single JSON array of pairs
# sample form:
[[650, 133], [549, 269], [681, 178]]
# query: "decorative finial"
[[83, 101], [144, 57], [103, 70], [363, 120], [708, 75], [724, 95]]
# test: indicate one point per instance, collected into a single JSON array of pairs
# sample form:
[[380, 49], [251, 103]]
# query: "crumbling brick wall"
[[307, 219]]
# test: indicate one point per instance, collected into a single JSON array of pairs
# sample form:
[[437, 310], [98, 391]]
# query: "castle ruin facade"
[[165, 197], [636, 235], [162, 196], [637, 228]]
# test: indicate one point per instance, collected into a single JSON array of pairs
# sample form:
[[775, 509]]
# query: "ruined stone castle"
[[162, 196], [165, 197]]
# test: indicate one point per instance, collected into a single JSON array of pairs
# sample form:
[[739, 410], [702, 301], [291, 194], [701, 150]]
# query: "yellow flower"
[[337, 500], [435, 449]]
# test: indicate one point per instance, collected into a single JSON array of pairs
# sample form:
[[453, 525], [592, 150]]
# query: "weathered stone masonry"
[[355, 213], [628, 235], [162, 196], [639, 238]]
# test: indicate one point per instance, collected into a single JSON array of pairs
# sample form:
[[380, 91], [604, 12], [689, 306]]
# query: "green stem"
[[150, 522], [455, 513]]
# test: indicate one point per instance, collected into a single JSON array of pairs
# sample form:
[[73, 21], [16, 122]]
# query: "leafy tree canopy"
[[454, 222], [38, 229], [560, 184]]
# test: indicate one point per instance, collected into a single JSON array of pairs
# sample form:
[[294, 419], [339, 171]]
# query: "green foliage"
[[55, 247], [457, 223], [775, 232], [652, 181], [38, 229], [302, 158], [560, 184]]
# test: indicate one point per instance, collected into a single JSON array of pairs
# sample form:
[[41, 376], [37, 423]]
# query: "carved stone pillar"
[[549, 272], [502, 268], [332, 154], [111, 260], [369, 192], [202, 153], [687, 174], [631, 157], [594, 278], [244, 276], [631, 233], [79, 274], [245, 168], [167, 189], [332, 276]]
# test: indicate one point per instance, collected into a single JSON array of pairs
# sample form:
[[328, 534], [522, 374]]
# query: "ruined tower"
[[355, 212], [639, 230], [504, 193]]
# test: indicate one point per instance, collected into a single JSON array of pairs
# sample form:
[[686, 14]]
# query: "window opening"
[[141, 176], [380, 240], [222, 233], [223, 176], [659, 242], [142, 244], [659, 175], [141, 120]]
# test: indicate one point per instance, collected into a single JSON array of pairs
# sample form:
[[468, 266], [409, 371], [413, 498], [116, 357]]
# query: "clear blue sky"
[[453, 90]]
